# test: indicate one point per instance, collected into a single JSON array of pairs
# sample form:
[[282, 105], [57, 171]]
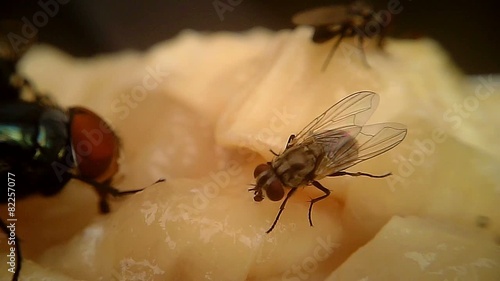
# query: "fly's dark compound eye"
[[260, 169], [275, 191], [95, 146]]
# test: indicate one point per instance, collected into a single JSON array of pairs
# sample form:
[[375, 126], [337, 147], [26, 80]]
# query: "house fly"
[[350, 20], [336, 140]]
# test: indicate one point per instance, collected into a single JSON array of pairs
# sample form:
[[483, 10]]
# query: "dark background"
[[467, 29]]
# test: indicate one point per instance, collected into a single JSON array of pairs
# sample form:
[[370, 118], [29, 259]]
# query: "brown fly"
[[334, 141], [351, 20]]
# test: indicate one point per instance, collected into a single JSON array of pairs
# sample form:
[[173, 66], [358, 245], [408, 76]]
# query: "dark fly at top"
[[336, 140], [45, 146], [343, 21]]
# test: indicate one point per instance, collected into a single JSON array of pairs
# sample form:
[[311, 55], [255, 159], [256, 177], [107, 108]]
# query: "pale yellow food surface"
[[212, 107]]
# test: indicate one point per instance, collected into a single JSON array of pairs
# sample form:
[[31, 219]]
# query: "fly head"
[[267, 184]]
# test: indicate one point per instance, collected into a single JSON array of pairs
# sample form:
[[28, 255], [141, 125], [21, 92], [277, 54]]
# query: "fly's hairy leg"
[[332, 51], [357, 174], [282, 207], [290, 139], [104, 189], [327, 193], [363, 54]]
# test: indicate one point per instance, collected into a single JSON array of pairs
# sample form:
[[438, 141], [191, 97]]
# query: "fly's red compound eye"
[[275, 191], [260, 169], [95, 145]]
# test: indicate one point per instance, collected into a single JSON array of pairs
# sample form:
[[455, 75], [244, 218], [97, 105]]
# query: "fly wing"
[[355, 144], [322, 16], [352, 111], [376, 139]]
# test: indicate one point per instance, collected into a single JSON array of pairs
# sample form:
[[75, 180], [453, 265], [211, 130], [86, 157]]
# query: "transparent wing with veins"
[[352, 111], [346, 141], [352, 145]]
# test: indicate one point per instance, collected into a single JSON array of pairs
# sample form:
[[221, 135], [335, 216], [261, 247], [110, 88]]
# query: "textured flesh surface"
[[204, 110]]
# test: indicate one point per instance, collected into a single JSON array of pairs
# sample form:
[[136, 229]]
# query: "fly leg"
[[332, 51], [7, 232], [288, 144], [362, 50], [274, 153], [282, 207], [104, 189], [327, 193], [290, 139], [357, 174], [383, 32]]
